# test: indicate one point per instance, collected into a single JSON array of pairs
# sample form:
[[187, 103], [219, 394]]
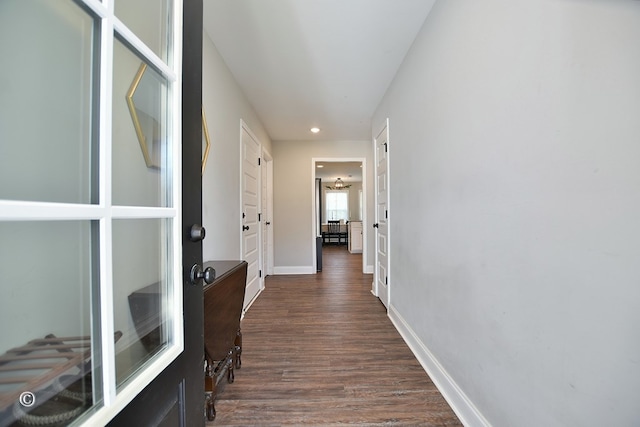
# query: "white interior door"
[[381, 225], [250, 210]]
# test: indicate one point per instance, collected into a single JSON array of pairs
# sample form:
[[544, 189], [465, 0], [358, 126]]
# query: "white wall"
[[224, 105], [293, 179], [515, 206]]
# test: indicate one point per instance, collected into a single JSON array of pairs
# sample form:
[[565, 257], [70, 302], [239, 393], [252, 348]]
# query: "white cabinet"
[[355, 237]]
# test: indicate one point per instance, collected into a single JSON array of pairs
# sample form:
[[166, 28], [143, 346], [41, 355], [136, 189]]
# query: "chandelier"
[[338, 185]]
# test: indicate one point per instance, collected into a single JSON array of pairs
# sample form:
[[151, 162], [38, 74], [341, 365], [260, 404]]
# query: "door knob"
[[268, 223], [197, 274], [245, 227], [197, 233]]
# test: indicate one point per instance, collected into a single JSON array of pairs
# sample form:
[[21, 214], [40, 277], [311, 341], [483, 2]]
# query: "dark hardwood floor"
[[320, 350]]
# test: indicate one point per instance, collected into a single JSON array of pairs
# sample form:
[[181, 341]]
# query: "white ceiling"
[[347, 171], [305, 63]]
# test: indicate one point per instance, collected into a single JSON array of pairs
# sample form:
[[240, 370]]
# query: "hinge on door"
[[385, 147], [386, 280], [386, 213], [258, 161], [243, 215], [260, 273], [259, 216]]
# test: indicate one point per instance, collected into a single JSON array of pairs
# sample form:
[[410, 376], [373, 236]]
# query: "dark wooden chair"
[[334, 231]]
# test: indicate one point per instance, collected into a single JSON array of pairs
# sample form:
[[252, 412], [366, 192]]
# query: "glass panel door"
[[155, 29], [90, 249], [48, 276], [46, 149]]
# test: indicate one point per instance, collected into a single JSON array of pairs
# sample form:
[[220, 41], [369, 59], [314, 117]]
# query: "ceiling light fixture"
[[339, 185], [319, 166], [315, 130]]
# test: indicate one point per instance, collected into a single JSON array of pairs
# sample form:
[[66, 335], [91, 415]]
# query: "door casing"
[[316, 160]]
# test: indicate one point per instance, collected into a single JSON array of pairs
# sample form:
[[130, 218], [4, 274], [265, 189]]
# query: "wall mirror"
[[145, 106], [206, 142]]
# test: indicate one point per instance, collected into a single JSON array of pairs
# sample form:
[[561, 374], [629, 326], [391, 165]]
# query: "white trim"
[[285, 270], [244, 310], [149, 212], [365, 228], [267, 213], [105, 171], [466, 411], [171, 73]]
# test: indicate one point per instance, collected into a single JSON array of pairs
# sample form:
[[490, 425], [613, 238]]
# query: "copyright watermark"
[[27, 399]]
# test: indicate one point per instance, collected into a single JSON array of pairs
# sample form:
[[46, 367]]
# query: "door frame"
[[365, 232], [267, 213]]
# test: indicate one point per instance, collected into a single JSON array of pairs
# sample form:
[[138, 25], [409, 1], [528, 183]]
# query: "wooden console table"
[[223, 301]]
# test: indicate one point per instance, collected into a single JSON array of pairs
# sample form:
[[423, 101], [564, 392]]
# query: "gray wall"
[[515, 206], [224, 105], [293, 191]]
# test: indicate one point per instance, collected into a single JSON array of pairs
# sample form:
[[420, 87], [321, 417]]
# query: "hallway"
[[320, 350]]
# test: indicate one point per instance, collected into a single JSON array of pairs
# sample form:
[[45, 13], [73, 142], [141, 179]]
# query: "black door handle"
[[268, 223], [197, 233], [375, 225], [197, 274], [245, 227]]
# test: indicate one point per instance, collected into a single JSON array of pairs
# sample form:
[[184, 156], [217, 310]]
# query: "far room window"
[[337, 203]]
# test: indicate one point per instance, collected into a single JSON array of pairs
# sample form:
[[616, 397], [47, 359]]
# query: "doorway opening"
[[339, 207]]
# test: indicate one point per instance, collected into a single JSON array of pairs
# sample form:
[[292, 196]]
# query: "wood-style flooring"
[[320, 350]]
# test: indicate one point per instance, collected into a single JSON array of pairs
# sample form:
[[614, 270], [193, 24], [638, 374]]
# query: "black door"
[[176, 396]]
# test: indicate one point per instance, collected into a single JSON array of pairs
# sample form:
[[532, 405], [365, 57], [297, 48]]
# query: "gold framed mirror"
[[146, 117], [206, 142]]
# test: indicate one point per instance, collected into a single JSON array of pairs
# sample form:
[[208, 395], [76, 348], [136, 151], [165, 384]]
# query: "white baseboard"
[[459, 402], [244, 310], [368, 269], [294, 270]]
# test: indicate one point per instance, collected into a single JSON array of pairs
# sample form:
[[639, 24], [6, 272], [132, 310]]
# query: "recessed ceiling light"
[[319, 166], [315, 130]]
